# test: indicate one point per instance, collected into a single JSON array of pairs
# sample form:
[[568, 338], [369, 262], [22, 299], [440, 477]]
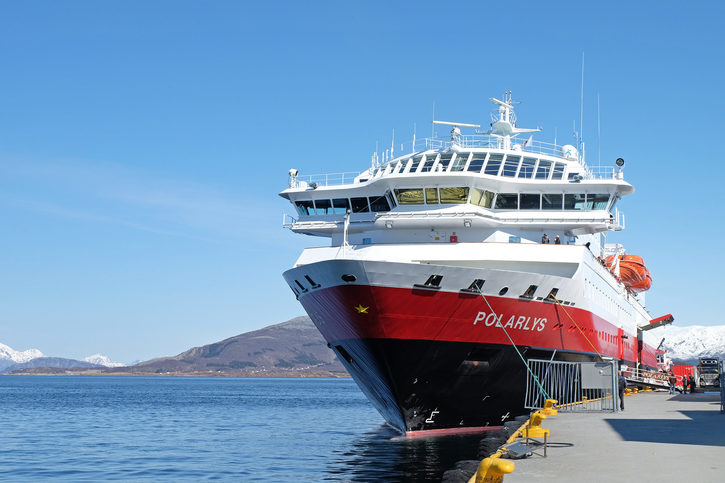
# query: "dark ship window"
[[503, 291]]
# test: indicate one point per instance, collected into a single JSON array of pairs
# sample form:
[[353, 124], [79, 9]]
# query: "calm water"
[[129, 428]]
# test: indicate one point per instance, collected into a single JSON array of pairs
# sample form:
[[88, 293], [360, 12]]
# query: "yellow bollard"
[[628, 391], [492, 469], [549, 409], [535, 429]]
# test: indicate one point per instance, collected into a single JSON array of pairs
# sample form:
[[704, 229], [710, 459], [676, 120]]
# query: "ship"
[[449, 266]]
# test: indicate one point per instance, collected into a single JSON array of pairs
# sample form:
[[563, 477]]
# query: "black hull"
[[422, 385]]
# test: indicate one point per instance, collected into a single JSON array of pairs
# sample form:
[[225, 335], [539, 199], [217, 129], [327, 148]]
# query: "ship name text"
[[516, 322]]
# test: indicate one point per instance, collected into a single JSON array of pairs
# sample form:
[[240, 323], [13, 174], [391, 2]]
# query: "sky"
[[143, 144]]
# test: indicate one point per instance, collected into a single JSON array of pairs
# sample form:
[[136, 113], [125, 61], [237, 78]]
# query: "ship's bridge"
[[473, 185]]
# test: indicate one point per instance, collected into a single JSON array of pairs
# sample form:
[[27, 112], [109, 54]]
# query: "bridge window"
[[542, 172], [507, 201], [476, 163], [359, 205], [305, 208], [444, 162], [598, 201], [391, 199], [409, 196], [323, 207], [399, 166], [454, 195], [558, 171], [414, 164], [529, 201], [379, 203], [551, 201], [481, 197], [340, 206], [460, 162], [428, 165], [511, 165], [494, 164], [574, 202], [431, 196], [527, 168]]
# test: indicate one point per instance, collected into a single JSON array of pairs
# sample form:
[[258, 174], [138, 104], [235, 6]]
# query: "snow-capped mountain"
[[102, 360], [9, 356], [689, 343]]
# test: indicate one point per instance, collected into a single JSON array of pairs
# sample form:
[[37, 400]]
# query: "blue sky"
[[143, 144]]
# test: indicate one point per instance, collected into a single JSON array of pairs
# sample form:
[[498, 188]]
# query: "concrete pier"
[[658, 437]]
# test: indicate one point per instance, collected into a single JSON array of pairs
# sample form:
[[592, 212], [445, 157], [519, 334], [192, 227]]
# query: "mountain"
[[687, 344], [290, 348], [55, 362], [101, 360], [9, 356]]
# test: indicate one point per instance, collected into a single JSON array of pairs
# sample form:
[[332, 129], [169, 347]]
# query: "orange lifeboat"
[[632, 271]]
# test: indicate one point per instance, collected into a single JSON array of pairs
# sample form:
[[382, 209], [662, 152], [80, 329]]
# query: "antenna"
[[413, 137], [555, 130], [581, 107], [433, 128], [392, 145], [599, 135]]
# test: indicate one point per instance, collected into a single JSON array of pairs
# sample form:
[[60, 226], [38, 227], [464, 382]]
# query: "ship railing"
[[526, 145], [504, 219], [288, 221], [602, 172], [326, 179], [617, 221]]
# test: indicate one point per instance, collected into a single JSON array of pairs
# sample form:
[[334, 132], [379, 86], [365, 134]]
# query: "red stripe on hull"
[[369, 312]]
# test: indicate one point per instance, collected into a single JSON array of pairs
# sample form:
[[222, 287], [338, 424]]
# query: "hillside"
[[292, 347]]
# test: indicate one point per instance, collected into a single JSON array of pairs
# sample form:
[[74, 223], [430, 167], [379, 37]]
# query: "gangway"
[[655, 380]]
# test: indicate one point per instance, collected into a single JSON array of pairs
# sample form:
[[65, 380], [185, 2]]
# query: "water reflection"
[[376, 456]]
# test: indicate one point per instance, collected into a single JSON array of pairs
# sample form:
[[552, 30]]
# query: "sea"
[[82, 428]]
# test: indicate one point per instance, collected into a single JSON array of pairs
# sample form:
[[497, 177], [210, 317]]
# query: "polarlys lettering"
[[520, 322]]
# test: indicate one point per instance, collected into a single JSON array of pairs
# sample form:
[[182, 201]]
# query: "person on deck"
[[545, 239], [557, 241]]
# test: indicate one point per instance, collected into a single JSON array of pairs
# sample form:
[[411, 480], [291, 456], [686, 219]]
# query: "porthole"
[[348, 277], [503, 291]]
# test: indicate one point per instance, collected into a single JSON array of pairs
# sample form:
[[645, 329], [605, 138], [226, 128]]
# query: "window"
[[460, 162], [493, 165], [551, 201], [476, 163], [409, 196], [511, 165], [574, 202], [431, 196], [323, 207], [444, 162], [507, 201], [359, 205], [428, 165], [481, 198], [400, 166], [558, 171], [340, 206], [527, 168], [391, 199], [414, 164], [542, 172], [529, 201], [379, 203], [305, 208], [598, 201], [454, 195]]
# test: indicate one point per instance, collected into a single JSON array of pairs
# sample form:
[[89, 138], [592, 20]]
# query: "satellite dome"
[[569, 152]]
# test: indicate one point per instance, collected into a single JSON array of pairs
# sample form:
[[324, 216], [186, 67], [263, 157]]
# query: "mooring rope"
[[536, 379], [577, 326]]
